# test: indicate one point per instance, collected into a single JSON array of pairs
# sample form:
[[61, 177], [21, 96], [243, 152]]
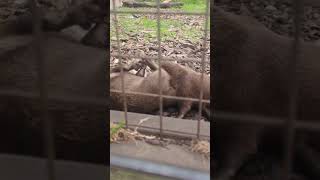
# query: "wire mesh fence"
[[160, 58], [292, 124], [38, 45]]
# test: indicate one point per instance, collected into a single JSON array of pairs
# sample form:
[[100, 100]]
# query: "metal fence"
[[48, 138], [48, 131], [291, 123], [158, 12]]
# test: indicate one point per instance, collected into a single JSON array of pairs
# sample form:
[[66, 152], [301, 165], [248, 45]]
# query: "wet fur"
[[188, 84], [73, 70], [250, 77], [134, 83]]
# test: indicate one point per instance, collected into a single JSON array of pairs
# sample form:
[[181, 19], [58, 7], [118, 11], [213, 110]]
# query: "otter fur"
[[251, 65]]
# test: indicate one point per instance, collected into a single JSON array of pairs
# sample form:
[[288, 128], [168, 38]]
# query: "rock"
[[74, 32], [271, 8], [20, 3], [244, 10], [283, 19], [316, 15]]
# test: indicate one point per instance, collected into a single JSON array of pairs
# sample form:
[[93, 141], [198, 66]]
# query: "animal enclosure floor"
[[171, 154], [121, 174], [174, 154], [172, 126], [181, 37]]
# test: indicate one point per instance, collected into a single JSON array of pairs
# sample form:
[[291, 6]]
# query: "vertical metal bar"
[[121, 65], [48, 138], [293, 91], [159, 61], [203, 65]]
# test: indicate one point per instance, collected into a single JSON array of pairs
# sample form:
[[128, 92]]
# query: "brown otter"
[[73, 71], [187, 83], [177, 81], [250, 77], [135, 83]]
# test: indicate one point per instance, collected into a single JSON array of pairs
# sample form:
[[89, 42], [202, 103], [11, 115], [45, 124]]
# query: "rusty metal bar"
[[56, 97], [203, 60], [159, 61], [203, 65], [306, 124], [157, 95], [207, 60], [309, 125], [121, 66], [167, 130], [155, 13], [48, 137], [230, 117], [293, 91]]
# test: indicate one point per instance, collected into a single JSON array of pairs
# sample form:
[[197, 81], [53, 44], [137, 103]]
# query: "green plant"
[[114, 128]]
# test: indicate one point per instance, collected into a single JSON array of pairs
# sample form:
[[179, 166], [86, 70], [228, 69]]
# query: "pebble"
[[270, 8]]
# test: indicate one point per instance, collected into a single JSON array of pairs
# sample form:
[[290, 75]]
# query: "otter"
[[73, 71], [184, 81], [135, 83], [250, 77], [187, 83]]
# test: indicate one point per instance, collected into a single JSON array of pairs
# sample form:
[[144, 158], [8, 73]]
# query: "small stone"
[[270, 8], [284, 18], [74, 32], [316, 15]]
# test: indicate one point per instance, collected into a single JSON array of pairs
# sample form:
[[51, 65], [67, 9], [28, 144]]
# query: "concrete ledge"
[[171, 126], [164, 171], [172, 155]]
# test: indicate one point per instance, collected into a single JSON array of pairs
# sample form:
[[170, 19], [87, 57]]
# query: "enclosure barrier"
[[155, 168], [48, 135], [148, 166], [291, 123], [160, 58]]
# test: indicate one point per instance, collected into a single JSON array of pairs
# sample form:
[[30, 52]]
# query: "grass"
[[115, 128], [193, 5], [188, 5], [170, 29]]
